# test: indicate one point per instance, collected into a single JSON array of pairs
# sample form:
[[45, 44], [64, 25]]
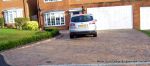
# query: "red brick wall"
[[0, 8], [136, 15], [72, 2], [61, 5]]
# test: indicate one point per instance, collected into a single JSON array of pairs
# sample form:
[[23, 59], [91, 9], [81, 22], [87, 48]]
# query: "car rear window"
[[82, 18]]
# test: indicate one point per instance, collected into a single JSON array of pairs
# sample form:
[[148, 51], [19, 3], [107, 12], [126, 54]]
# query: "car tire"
[[72, 36], [95, 35]]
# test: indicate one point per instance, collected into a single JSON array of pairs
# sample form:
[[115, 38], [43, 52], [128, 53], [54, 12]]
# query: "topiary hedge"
[[38, 36], [31, 25], [1, 22]]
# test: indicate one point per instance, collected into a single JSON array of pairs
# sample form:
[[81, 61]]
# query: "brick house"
[[64, 8], [110, 14], [10, 9]]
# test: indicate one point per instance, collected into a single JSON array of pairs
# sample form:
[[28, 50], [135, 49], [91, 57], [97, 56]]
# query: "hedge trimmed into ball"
[[31, 25]]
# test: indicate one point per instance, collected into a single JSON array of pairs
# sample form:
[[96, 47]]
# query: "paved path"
[[111, 46]]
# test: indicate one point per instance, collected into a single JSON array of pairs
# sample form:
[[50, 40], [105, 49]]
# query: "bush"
[[51, 28], [31, 25], [20, 22], [1, 22], [38, 36]]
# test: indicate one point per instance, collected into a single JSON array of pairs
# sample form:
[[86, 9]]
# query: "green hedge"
[[20, 22], [38, 36], [53, 31], [31, 25], [146, 32], [1, 22]]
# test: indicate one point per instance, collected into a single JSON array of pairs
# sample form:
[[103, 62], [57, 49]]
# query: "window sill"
[[54, 25], [52, 1]]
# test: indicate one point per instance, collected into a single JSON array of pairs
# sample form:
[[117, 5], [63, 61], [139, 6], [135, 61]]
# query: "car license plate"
[[82, 26]]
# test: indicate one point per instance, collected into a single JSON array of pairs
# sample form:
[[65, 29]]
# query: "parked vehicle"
[[82, 24]]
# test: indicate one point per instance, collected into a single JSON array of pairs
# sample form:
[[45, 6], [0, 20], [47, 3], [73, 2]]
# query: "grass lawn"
[[146, 32], [10, 38], [12, 34]]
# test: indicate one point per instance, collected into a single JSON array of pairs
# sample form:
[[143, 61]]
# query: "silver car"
[[82, 24]]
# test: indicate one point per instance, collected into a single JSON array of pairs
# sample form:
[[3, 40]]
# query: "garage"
[[113, 17], [145, 18]]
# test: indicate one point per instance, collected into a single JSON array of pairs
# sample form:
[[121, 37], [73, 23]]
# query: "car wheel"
[[95, 35], [71, 36]]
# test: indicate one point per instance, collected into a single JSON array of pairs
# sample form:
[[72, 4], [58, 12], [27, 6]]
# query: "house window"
[[10, 15], [6, 0], [75, 13], [52, 0], [54, 18]]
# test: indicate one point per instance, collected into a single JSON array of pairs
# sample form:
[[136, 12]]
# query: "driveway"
[[111, 46]]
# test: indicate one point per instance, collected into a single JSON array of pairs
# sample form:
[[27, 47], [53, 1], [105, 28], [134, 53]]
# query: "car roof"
[[81, 15]]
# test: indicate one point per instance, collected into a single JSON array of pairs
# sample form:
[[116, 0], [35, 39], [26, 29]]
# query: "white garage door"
[[145, 18], [115, 17]]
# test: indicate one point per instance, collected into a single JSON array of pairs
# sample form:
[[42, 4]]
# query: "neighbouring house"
[[11, 9], [110, 14]]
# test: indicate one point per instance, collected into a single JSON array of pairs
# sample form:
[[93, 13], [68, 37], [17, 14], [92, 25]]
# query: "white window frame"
[[71, 13], [49, 16], [14, 13], [46, 1], [75, 10], [6, 0]]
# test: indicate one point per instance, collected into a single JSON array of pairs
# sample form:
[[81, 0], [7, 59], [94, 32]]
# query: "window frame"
[[11, 14], [48, 17], [52, 1], [6, 0]]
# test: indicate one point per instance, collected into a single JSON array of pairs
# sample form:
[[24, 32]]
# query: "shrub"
[[50, 29], [31, 25], [20, 22], [1, 22], [36, 37], [54, 31], [146, 32]]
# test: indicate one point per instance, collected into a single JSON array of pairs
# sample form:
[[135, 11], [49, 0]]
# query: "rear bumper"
[[83, 32]]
